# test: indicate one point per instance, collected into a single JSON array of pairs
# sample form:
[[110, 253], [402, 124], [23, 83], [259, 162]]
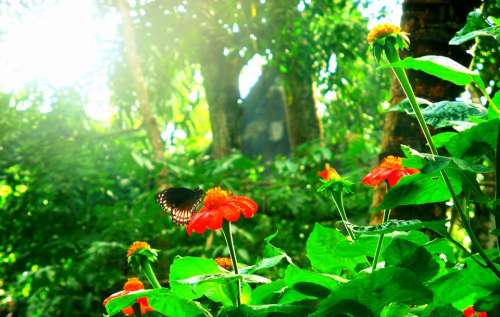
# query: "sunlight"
[[250, 74], [62, 44]]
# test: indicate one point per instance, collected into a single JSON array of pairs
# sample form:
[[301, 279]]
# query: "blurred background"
[[105, 103]]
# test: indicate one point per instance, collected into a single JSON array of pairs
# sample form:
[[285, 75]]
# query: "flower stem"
[[338, 200], [150, 274], [380, 241], [226, 231], [393, 57]]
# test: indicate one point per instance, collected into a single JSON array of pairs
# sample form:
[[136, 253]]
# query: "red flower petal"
[[482, 314], [230, 212], [202, 221], [469, 312], [247, 205]]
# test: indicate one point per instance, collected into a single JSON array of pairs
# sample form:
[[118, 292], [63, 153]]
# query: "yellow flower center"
[[215, 197], [382, 30], [392, 162], [136, 246], [133, 284]]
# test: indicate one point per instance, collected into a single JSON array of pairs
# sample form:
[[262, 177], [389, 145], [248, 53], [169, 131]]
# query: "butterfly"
[[179, 202]]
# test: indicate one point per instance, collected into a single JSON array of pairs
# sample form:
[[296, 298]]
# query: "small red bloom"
[[218, 205], [390, 170], [329, 173], [470, 312], [131, 286]]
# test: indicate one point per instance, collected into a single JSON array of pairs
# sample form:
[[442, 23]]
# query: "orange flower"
[[390, 170], [218, 205], [224, 262], [136, 246], [329, 173], [132, 285], [382, 30]]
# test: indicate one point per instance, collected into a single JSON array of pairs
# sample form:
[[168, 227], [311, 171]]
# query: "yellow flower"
[[382, 30], [136, 246]]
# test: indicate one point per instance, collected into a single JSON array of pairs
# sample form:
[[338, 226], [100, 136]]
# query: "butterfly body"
[[179, 202]]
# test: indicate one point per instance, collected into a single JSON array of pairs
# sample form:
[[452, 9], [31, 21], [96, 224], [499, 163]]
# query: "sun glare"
[[58, 44]]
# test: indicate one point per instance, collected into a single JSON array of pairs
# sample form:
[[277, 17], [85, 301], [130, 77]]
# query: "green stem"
[[393, 57], [338, 200], [226, 231], [380, 241], [150, 274], [490, 101]]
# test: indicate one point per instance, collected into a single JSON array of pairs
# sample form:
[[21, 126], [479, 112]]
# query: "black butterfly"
[[179, 202]]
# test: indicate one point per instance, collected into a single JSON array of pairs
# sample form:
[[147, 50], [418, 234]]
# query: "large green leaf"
[[273, 256], [161, 300], [401, 225], [376, 290], [444, 113], [310, 283], [429, 163], [441, 67], [406, 254], [477, 140], [268, 293], [187, 267], [462, 287], [265, 310], [419, 189], [475, 26], [322, 251]]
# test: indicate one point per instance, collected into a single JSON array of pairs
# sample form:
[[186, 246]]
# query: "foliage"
[[75, 193]]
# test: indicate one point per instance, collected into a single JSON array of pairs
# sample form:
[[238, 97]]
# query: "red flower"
[[133, 285], [390, 170], [329, 173], [470, 312], [218, 205]]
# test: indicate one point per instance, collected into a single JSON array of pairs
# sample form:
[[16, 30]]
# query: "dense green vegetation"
[[76, 192]]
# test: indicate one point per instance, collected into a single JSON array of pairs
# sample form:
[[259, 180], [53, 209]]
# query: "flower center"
[[133, 284], [136, 246], [215, 197], [392, 162], [382, 30]]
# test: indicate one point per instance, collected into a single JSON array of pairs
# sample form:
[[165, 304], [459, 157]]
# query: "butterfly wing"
[[179, 202]]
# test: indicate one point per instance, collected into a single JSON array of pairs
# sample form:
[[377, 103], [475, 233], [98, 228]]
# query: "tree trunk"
[[431, 24], [134, 63], [220, 79], [300, 110]]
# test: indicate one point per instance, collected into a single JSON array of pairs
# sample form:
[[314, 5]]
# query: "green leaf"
[[419, 189], [321, 251], [161, 300], [462, 287], [310, 283], [444, 113], [441, 139], [479, 137], [229, 276], [443, 311], [401, 225], [429, 163], [376, 290], [265, 310], [475, 26], [441, 67], [187, 267], [406, 254], [274, 257], [268, 293], [395, 310]]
